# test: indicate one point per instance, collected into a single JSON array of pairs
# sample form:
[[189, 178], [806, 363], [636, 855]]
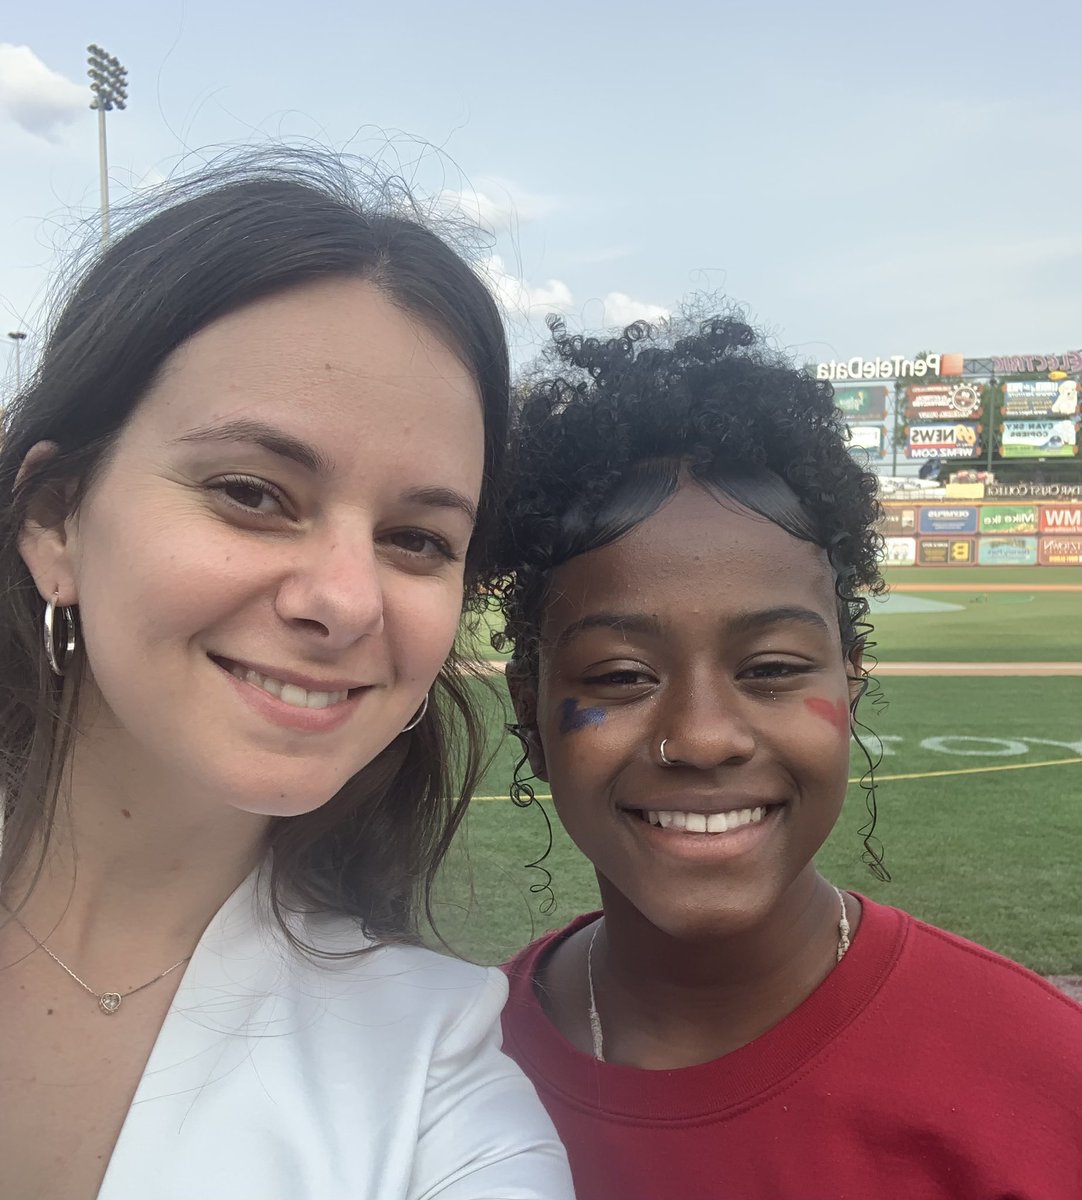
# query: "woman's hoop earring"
[[58, 662], [661, 750], [419, 717]]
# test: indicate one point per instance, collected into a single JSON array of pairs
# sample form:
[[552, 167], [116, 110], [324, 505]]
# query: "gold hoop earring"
[[419, 717], [58, 662]]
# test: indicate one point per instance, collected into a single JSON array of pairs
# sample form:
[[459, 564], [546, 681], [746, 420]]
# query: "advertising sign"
[[1061, 518], [1039, 439], [1007, 551], [948, 520], [894, 366], [1061, 551], [1017, 364], [1033, 491], [945, 552], [868, 439], [898, 518], [1008, 518], [862, 403], [901, 551], [942, 441], [1041, 398], [942, 402]]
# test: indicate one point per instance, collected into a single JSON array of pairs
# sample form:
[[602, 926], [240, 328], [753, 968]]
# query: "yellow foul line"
[[1054, 762]]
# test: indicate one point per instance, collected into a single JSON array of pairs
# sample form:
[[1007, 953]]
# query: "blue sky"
[[866, 179]]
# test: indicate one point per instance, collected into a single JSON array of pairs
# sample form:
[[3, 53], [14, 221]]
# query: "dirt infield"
[[985, 587], [1070, 985]]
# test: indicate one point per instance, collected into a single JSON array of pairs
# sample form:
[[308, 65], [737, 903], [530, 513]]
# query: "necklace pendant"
[[109, 1002]]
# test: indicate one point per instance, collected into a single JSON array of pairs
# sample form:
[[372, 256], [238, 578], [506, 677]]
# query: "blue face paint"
[[573, 718]]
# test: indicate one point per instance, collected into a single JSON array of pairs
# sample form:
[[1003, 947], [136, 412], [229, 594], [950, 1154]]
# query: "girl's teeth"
[[707, 822], [290, 693]]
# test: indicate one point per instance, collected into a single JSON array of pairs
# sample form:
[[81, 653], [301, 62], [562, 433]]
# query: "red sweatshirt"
[[923, 1068]]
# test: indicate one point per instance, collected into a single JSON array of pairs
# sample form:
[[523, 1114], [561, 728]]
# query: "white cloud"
[[525, 302], [499, 205], [519, 298], [620, 309], [34, 96]]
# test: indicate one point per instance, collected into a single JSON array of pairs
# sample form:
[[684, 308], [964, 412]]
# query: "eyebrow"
[[284, 445], [786, 614], [441, 497], [621, 622], [750, 622]]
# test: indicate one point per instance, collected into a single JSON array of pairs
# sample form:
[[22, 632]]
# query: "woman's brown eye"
[[246, 494]]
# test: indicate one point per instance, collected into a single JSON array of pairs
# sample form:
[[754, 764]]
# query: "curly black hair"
[[604, 430], [601, 443]]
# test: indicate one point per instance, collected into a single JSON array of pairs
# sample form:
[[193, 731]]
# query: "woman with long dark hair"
[[243, 500]]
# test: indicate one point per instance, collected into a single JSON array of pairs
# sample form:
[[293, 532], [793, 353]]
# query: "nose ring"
[[661, 750]]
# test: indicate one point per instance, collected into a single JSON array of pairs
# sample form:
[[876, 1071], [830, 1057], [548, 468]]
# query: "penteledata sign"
[[894, 366]]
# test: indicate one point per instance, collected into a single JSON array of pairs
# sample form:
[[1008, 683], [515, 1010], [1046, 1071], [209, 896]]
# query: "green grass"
[[992, 856], [990, 626], [981, 575], [1000, 626]]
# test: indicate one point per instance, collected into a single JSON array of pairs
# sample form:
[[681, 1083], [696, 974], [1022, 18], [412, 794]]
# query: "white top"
[[280, 1077]]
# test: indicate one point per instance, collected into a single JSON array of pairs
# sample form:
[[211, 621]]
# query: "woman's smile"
[[289, 704]]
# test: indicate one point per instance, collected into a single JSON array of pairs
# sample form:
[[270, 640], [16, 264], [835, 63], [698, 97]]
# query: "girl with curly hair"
[[687, 559]]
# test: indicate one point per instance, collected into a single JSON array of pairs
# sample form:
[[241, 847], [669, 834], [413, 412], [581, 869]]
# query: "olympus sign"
[[895, 367]]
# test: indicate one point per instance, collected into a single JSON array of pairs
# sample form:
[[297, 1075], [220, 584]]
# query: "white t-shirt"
[[280, 1077]]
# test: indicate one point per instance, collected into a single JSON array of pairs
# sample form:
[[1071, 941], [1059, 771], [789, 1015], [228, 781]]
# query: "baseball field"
[[979, 785]]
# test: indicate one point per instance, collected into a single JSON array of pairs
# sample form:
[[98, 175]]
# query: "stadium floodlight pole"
[[18, 336], [109, 83]]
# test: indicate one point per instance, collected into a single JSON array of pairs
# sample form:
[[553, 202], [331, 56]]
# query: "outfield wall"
[[945, 533]]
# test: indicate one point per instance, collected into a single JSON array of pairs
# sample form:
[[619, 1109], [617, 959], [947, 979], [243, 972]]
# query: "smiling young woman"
[[687, 553], [246, 495]]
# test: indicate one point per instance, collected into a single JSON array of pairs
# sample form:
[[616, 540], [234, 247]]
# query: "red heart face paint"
[[836, 712]]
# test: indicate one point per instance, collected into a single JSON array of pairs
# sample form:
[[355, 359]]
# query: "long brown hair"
[[244, 230]]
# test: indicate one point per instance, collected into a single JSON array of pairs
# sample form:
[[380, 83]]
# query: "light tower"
[[18, 336], [109, 83]]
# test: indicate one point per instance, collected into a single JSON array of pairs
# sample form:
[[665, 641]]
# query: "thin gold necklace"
[[596, 1035], [108, 1002]]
